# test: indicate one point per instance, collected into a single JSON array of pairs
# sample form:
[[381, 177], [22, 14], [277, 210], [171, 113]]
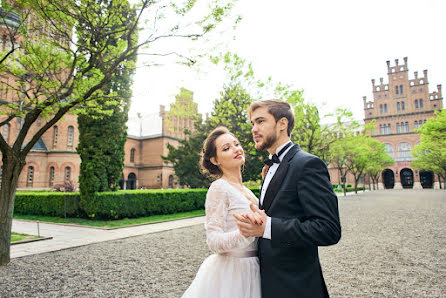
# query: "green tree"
[[52, 71], [231, 111], [185, 158], [430, 154], [378, 160]]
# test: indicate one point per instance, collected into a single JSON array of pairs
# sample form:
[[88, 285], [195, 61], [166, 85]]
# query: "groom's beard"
[[269, 142]]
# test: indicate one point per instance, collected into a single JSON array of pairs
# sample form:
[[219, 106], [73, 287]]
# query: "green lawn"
[[18, 237], [112, 223]]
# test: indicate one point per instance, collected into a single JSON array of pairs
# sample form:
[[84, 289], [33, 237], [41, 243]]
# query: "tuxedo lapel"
[[276, 181]]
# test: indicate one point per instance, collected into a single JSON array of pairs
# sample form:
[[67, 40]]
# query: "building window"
[[416, 124], [55, 136], [389, 149], [70, 136], [401, 89], [132, 155], [398, 106], [421, 89], [404, 150], [414, 91], [416, 103], [380, 129], [30, 177], [170, 181], [424, 122], [396, 89], [407, 126], [421, 103], [6, 131], [67, 174], [51, 180], [389, 129], [402, 105], [397, 128], [385, 108], [381, 109]]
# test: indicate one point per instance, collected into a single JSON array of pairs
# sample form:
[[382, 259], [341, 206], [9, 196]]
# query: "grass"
[[19, 237], [111, 223]]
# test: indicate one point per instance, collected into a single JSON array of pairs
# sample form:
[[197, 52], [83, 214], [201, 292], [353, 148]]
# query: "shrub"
[[47, 203], [112, 205]]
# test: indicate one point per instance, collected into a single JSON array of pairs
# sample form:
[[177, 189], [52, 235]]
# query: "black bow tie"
[[275, 158]]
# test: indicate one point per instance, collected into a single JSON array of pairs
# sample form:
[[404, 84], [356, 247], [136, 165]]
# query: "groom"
[[299, 210]]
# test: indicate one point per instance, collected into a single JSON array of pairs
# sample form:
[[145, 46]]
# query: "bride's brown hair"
[[210, 150]]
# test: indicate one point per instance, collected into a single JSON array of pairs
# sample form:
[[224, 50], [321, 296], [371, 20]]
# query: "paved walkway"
[[66, 236]]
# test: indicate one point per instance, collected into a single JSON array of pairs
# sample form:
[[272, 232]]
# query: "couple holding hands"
[[267, 246]]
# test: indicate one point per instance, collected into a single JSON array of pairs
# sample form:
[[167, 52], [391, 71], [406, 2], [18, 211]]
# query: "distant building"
[[399, 107], [54, 160]]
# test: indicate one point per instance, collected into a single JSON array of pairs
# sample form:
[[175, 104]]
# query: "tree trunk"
[[12, 166]]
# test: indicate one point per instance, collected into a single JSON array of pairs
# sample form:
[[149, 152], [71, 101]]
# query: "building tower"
[[399, 107]]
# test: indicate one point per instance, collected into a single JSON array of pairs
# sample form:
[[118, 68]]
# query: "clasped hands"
[[252, 224]]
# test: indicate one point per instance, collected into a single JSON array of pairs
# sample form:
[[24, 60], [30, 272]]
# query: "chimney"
[[381, 80], [396, 62], [405, 61], [373, 83], [416, 74]]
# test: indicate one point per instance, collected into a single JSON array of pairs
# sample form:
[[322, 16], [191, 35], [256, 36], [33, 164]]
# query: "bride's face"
[[229, 152]]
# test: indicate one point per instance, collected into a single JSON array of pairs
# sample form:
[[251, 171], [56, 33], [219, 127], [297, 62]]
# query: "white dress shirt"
[[268, 176]]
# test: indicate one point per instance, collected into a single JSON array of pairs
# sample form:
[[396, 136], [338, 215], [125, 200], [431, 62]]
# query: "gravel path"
[[393, 245]]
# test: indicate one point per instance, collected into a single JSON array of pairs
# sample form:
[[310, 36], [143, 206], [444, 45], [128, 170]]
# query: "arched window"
[[389, 149], [407, 126], [421, 103], [404, 150], [51, 180], [55, 136], [416, 103], [30, 177], [70, 136], [6, 131], [401, 89], [67, 174], [170, 181], [397, 128], [132, 155], [396, 89]]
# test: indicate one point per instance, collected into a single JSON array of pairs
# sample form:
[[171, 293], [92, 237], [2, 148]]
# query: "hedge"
[[111, 205], [47, 203]]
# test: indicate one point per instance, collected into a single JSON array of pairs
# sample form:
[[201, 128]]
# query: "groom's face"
[[264, 128]]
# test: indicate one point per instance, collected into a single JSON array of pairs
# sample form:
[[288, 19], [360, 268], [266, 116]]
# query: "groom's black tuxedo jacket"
[[304, 215]]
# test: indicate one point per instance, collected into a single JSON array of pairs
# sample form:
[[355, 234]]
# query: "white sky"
[[331, 49]]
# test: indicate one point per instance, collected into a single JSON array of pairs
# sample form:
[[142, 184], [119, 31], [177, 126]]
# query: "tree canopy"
[[430, 154]]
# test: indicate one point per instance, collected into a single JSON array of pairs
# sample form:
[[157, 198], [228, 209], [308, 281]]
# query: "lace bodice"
[[222, 234]]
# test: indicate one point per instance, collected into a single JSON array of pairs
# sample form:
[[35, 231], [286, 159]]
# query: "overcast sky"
[[331, 49]]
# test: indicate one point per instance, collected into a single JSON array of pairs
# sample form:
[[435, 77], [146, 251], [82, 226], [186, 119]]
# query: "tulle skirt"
[[226, 277]]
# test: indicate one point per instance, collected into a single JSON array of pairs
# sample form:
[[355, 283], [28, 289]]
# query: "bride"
[[233, 269]]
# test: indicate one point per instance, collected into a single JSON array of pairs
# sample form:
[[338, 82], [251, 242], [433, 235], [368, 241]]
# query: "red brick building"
[[54, 159], [400, 106]]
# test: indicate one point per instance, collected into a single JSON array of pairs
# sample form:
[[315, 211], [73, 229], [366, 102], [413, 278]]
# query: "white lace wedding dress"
[[233, 270]]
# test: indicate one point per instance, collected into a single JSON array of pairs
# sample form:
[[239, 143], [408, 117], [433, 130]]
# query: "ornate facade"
[[399, 107]]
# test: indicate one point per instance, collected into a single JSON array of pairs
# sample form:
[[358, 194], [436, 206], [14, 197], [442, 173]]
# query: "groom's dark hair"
[[276, 107]]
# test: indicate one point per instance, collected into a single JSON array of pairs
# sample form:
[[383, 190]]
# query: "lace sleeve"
[[218, 240]]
